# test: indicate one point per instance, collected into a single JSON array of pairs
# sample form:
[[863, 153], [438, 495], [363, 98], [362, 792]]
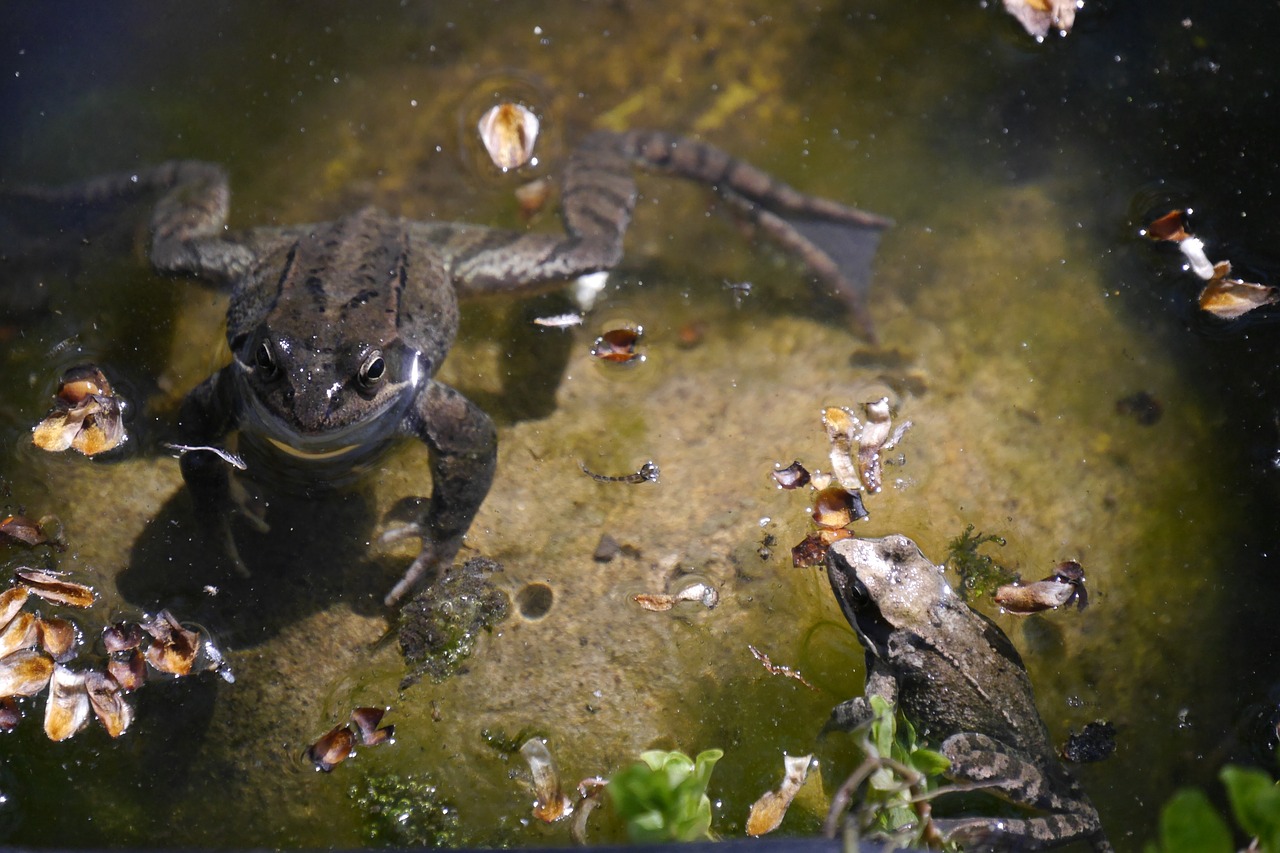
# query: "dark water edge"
[[1168, 113]]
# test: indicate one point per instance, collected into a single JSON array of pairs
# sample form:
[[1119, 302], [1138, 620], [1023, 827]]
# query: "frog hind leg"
[[981, 762], [463, 445]]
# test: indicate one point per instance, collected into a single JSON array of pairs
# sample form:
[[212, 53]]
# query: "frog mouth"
[[311, 455]]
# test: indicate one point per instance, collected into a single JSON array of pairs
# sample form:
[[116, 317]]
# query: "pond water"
[[1015, 305]]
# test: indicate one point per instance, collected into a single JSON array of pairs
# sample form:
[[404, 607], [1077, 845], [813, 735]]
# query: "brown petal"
[[550, 804], [122, 637], [54, 433], [129, 670], [618, 345], [1230, 298], [1169, 227], [81, 382], [68, 707], [367, 719], [58, 637], [793, 476], [51, 587], [21, 633], [768, 811], [24, 673], [1034, 597], [332, 749], [11, 601], [17, 528], [509, 132], [655, 601], [836, 507], [107, 700], [173, 649]]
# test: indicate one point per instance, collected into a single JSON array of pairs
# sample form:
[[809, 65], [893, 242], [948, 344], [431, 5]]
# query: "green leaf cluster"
[[890, 792], [663, 797], [1190, 824]]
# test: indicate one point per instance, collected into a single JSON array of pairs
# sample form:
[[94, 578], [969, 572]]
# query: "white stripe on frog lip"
[[302, 454]]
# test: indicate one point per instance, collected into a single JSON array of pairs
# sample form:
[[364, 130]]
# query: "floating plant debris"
[[11, 601], [559, 321], [366, 720], [812, 549], [173, 648], [648, 473], [24, 673], [22, 530], [67, 709], [768, 811], [1039, 16], [106, 698], [58, 637], [856, 446], [10, 714], [658, 602], [619, 345], [52, 588], [1064, 586], [509, 132], [550, 803], [835, 507], [122, 636], [794, 476], [87, 415], [129, 669], [225, 455], [1096, 742], [1226, 298], [20, 632], [778, 669], [531, 197], [333, 748]]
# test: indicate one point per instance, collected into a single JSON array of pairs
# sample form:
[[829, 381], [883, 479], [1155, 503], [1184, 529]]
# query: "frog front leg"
[[463, 445], [982, 762]]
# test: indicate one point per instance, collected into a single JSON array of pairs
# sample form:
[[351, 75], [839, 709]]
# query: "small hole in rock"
[[534, 600]]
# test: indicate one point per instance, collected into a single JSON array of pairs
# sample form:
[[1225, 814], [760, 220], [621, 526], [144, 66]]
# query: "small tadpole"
[[648, 473]]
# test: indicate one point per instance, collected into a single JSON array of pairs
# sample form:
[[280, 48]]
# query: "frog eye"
[[858, 595], [265, 359], [373, 369]]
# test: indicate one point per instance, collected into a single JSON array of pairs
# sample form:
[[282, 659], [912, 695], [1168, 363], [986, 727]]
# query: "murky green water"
[[1015, 307]]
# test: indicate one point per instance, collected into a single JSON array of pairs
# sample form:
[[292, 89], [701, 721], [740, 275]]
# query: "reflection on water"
[[1015, 306]]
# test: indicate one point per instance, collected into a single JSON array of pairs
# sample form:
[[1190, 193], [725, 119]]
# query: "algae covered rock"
[[439, 627]]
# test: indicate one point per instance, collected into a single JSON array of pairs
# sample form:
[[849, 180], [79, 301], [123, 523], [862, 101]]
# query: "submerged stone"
[[439, 627]]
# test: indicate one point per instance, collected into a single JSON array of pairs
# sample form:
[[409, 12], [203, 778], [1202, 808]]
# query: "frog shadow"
[[314, 555]]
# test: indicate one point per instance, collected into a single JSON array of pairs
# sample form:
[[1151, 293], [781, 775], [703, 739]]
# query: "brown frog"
[[337, 328], [956, 676]]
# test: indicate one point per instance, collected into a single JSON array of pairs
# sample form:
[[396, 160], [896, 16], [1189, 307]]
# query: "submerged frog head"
[[885, 585], [311, 399]]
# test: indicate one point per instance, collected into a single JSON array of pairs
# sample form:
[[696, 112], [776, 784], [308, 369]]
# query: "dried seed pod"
[[24, 673], [509, 132], [67, 710], [11, 601], [367, 719], [619, 345], [22, 530], [768, 811], [128, 669], [332, 749], [58, 637], [1030, 598], [52, 588], [173, 648], [10, 714], [106, 697], [122, 636], [21, 633], [550, 804], [794, 476]]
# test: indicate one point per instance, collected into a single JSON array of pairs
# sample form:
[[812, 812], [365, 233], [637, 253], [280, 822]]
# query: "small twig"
[[778, 669]]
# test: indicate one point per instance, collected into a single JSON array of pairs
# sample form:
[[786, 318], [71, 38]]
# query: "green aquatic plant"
[[1190, 824], [663, 796], [979, 574], [406, 811], [897, 778]]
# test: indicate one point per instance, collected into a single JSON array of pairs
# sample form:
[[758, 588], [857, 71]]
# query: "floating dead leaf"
[[22, 530], [87, 415], [128, 669], [811, 551], [794, 476], [1024, 599], [58, 637], [24, 673], [67, 710], [52, 587], [122, 636], [1039, 16], [20, 633], [619, 345], [842, 432], [106, 697], [367, 719], [11, 601], [1171, 227], [509, 132], [531, 197], [550, 803], [331, 750], [768, 811], [703, 593], [1230, 298], [10, 714], [835, 507], [173, 648]]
